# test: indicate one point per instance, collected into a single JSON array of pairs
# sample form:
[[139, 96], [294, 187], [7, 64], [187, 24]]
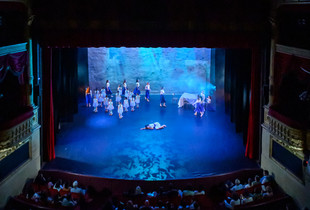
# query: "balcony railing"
[[16, 134], [292, 135]]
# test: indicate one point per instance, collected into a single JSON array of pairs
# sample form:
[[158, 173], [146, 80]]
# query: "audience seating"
[[212, 186]]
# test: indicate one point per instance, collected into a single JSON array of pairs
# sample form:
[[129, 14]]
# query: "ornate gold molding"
[[13, 138], [295, 140]]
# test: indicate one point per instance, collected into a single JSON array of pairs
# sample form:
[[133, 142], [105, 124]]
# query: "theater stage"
[[189, 147]]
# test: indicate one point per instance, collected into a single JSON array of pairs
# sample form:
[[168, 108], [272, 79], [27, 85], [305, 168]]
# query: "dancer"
[[126, 93], [95, 104], [120, 110], [100, 99], [126, 104], [124, 87], [88, 96], [108, 89], [199, 107], [103, 92], [106, 103], [136, 91], [97, 93], [209, 103], [147, 92], [162, 98], [119, 90], [137, 100], [118, 98], [130, 94], [132, 103], [110, 107], [153, 126], [203, 96]]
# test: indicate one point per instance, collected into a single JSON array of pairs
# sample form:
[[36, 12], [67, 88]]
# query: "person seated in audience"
[[40, 179], [36, 197], [75, 188], [152, 194], [237, 186], [257, 194], [228, 184], [89, 194], [49, 183], [146, 206], [268, 192], [66, 188], [138, 191], [246, 198], [235, 201], [200, 191], [188, 191], [256, 180], [172, 192], [57, 186], [170, 205], [249, 184], [131, 206], [160, 205], [193, 205], [67, 202], [266, 177]]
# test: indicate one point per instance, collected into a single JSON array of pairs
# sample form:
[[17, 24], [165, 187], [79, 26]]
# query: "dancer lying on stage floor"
[[153, 126]]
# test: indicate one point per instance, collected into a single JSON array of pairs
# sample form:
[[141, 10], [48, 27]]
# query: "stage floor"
[[189, 147]]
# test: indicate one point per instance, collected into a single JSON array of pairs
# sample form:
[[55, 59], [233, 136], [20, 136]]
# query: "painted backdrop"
[[178, 70]]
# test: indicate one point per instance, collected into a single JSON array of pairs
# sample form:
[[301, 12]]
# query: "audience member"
[[57, 186], [268, 192], [246, 198], [75, 188], [266, 177], [40, 179], [138, 191], [152, 194], [49, 183], [65, 188], [146, 206], [172, 192], [188, 191], [67, 202], [200, 191], [36, 197], [235, 201], [194, 205], [256, 180], [228, 184], [237, 186], [249, 184], [131, 206], [257, 194]]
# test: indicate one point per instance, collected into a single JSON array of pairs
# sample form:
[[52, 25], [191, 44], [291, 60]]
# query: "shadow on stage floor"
[[102, 145]]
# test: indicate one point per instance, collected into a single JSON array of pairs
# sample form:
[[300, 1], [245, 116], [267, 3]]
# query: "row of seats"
[[115, 193]]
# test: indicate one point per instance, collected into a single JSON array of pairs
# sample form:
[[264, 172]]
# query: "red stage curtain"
[[252, 146], [48, 107]]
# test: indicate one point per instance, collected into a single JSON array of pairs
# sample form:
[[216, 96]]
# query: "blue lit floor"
[[102, 145]]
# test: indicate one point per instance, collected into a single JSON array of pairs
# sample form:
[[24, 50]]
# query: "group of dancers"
[[130, 99]]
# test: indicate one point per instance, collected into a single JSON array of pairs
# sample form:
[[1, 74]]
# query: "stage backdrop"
[[178, 70]]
